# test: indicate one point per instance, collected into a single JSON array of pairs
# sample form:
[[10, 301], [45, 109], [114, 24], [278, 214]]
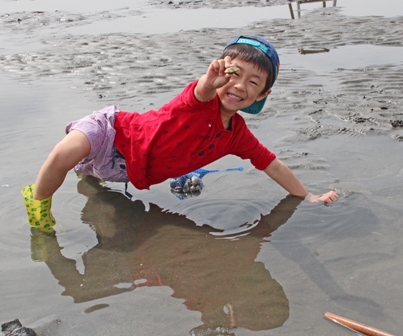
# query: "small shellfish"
[[195, 180], [231, 70]]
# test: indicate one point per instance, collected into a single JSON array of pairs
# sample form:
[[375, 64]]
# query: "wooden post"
[[291, 10]]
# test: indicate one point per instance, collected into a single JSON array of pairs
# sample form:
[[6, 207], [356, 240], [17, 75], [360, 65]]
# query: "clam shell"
[[231, 70]]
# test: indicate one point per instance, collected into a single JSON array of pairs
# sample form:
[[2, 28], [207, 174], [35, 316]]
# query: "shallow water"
[[242, 257]]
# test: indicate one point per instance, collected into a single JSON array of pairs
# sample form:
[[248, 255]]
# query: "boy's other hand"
[[328, 197]]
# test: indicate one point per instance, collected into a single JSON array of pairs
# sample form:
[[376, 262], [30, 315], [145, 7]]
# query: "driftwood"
[[356, 326]]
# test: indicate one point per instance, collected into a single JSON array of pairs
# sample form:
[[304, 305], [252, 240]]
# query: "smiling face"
[[244, 88]]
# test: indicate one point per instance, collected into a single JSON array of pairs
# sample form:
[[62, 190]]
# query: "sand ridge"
[[120, 67]]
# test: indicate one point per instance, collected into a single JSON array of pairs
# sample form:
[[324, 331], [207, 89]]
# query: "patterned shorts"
[[104, 161]]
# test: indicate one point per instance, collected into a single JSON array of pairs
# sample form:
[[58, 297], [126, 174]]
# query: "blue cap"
[[271, 53]]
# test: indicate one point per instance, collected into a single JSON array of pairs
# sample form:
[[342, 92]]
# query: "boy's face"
[[244, 87]]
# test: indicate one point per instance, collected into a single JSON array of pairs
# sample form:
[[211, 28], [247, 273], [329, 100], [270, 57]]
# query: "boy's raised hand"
[[214, 78], [215, 75]]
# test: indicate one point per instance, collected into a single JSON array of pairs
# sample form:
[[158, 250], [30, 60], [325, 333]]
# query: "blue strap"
[[129, 195]]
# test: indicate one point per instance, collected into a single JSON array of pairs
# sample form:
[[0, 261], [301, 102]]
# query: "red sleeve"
[[249, 147], [188, 98]]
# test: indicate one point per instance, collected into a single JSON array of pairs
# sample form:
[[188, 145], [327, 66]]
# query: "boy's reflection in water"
[[218, 277]]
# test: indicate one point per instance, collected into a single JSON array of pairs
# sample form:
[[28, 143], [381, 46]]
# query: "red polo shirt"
[[180, 137]]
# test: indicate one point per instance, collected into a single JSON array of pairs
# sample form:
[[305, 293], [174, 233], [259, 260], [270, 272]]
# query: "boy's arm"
[[214, 78], [283, 175]]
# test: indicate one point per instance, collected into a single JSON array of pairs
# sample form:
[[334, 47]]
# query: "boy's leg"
[[38, 198], [67, 153]]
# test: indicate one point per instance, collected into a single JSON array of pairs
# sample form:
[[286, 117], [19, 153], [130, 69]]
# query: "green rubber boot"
[[39, 214]]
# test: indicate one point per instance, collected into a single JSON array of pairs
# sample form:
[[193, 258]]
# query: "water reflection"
[[217, 277]]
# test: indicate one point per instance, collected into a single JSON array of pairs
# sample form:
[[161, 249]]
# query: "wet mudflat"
[[242, 258]]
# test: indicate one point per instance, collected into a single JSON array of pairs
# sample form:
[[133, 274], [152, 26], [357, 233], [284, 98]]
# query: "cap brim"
[[256, 107]]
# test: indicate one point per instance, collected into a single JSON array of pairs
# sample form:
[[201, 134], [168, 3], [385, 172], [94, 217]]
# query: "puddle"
[[141, 18], [387, 8], [338, 59], [346, 57], [187, 19]]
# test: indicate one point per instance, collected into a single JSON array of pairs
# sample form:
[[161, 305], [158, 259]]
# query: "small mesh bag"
[[191, 184]]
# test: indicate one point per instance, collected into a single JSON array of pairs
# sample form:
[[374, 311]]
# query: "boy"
[[197, 127]]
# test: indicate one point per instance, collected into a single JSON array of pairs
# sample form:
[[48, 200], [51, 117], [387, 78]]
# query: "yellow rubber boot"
[[39, 214]]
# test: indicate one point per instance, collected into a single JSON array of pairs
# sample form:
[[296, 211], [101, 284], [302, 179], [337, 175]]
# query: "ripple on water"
[[307, 223], [15, 233], [75, 236], [232, 216], [313, 222]]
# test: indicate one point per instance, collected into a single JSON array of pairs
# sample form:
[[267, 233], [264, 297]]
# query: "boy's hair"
[[252, 55]]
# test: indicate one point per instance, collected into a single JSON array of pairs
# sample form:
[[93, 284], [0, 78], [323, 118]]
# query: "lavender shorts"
[[104, 161]]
